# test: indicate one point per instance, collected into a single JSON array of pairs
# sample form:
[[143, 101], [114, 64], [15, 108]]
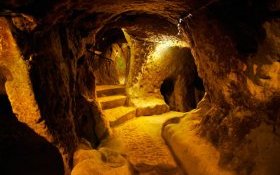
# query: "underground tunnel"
[[173, 87]]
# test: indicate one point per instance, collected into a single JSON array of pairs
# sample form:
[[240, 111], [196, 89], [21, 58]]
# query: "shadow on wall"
[[22, 151], [167, 89]]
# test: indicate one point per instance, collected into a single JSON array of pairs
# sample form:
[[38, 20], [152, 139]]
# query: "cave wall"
[[120, 51], [64, 84], [235, 45], [53, 79], [23, 148], [18, 87], [23, 132], [113, 69], [153, 62], [54, 65], [180, 67], [238, 59]]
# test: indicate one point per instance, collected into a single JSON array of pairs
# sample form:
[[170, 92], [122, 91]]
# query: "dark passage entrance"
[[182, 88], [167, 89]]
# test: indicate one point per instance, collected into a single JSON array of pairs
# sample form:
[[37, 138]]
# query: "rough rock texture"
[[16, 82], [154, 62], [196, 154], [103, 161], [140, 141], [179, 86], [90, 122], [54, 12], [149, 39], [242, 81], [24, 149], [113, 68], [53, 82], [235, 44], [24, 135], [63, 86]]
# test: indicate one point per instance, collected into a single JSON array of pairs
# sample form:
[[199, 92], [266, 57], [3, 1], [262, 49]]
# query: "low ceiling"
[[49, 12], [140, 18], [140, 25]]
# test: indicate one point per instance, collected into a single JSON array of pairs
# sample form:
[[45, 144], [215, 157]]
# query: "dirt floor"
[[140, 141]]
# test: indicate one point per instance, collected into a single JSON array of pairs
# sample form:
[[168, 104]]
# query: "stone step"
[[109, 102], [149, 106], [109, 90], [119, 115]]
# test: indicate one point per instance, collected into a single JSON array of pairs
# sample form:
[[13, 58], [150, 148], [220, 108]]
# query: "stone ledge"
[[149, 106], [196, 155]]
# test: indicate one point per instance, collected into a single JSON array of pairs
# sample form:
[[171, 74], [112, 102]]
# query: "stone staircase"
[[112, 99]]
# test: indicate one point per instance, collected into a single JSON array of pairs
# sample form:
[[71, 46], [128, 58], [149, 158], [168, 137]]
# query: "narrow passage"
[[140, 141]]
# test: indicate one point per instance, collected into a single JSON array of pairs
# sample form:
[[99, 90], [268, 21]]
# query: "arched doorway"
[[113, 58]]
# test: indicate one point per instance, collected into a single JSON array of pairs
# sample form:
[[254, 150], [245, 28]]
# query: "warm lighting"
[[161, 48], [164, 44]]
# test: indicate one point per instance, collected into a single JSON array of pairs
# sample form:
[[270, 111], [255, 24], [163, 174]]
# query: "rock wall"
[[25, 137], [54, 65], [15, 78], [112, 68], [53, 80], [235, 44], [154, 62], [238, 59], [64, 85]]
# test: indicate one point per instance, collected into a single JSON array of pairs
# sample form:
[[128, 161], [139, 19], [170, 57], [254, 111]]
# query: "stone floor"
[[140, 141]]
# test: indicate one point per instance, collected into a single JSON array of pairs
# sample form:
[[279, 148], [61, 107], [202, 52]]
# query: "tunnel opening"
[[181, 87], [22, 151], [113, 62], [166, 89], [157, 53], [235, 44]]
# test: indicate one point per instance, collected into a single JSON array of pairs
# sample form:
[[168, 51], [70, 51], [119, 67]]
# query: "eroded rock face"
[[235, 45], [164, 70], [242, 81], [67, 11], [63, 89], [64, 85], [23, 148], [53, 83], [111, 68], [105, 161]]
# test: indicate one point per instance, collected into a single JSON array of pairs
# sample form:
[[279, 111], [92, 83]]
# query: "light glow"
[[161, 48], [164, 44]]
